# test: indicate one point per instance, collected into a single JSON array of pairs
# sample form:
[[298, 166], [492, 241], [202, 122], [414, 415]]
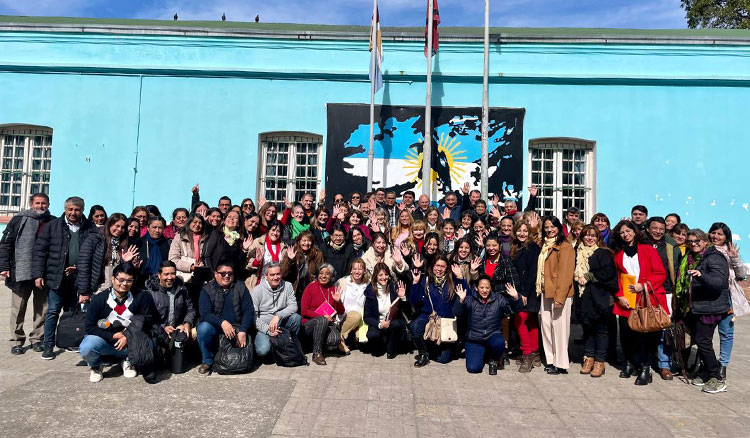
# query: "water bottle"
[[177, 352]]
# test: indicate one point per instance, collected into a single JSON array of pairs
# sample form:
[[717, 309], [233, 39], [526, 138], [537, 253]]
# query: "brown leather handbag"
[[648, 318]]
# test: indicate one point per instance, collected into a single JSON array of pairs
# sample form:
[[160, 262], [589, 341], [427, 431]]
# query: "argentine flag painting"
[[398, 139]]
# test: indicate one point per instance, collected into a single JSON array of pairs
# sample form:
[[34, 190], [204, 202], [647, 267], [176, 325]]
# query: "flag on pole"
[[376, 62], [435, 22]]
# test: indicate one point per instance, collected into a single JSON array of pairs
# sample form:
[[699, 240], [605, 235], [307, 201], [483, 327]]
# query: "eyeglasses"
[[355, 197], [247, 205], [338, 200], [130, 281], [225, 273], [693, 241]]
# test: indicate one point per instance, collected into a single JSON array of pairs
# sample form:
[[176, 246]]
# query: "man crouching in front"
[[223, 303], [107, 317]]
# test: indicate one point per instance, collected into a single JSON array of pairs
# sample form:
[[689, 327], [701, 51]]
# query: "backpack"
[[287, 350], [231, 359]]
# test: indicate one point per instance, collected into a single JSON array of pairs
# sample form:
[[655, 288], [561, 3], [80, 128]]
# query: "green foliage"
[[723, 14]]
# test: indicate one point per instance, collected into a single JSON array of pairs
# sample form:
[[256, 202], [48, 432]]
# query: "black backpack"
[[287, 350], [231, 359]]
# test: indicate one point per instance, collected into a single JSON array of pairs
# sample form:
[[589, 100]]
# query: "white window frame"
[[29, 132], [293, 138], [558, 145]]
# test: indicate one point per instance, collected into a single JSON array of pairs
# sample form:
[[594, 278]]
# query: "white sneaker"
[[96, 375], [128, 370]]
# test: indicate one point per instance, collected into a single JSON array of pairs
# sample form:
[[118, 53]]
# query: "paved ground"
[[361, 396]]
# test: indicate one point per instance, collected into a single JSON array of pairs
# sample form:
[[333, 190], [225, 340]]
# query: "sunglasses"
[[338, 200], [247, 205], [355, 197], [225, 273]]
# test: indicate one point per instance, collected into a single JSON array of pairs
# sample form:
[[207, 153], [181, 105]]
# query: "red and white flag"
[[435, 22]]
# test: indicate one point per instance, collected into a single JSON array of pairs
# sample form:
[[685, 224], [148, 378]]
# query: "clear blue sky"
[[515, 13]]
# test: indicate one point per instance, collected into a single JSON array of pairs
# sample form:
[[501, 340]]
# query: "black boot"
[[627, 370], [493, 368], [723, 373], [422, 360], [644, 377]]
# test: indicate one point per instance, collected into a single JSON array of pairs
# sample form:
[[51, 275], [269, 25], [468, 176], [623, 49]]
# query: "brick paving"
[[360, 396]]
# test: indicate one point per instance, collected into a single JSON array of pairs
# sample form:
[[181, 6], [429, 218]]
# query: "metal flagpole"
[[485, 101], [374, 39], [427, 146]]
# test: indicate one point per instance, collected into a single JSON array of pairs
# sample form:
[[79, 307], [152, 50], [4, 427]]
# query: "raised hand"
[[247, 243], [401, 206], [476, 262], [496, 200], [405, 249], [195, 189], [480, 241], [336, 294], [511, 291], [415, 276], [465, 188], [371, 204], [287, 203], [291, 253], [261, 200], [446, 213], [396, 255], [131, 253], [733, 251], [322, 198], [495, 212], [259, 253], [336, 210], [417, 260], [461, 292], [456, 269], [401, 291], [533, 190]]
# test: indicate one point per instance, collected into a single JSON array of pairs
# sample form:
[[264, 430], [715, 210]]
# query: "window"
[[564, 171], [26, 159], [289, 165]]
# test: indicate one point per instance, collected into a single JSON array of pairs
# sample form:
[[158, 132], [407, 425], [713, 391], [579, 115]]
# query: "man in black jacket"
[[16, 256], [173, 304], [107, 317], [54, 265], [223, 304]]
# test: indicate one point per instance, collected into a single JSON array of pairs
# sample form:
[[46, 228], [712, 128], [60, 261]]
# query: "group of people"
[[490, 283]]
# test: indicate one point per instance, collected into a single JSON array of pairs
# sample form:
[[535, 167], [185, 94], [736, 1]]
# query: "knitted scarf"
[[230, 236], [682, 287], [549, 242], [605, 236], [297, 227], [337, 247], [154, 255], [583, 253]]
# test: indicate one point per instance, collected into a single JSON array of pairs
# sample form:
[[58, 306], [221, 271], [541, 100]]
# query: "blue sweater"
[[443, 305]]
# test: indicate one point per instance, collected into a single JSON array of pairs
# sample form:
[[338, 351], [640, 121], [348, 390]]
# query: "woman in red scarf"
[[264, 250]]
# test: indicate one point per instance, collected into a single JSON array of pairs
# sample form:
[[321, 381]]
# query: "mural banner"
[[399, 134]]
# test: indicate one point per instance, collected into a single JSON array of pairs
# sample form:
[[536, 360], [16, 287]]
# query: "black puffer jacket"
[[51, 250], [91, 261], [484, 319], [526, 261], [711, 290], [184, 310]]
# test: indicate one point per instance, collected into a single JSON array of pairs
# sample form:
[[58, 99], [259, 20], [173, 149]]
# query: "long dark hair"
[[448, 275], [374, 280], [617, 243], [723, 227], [187, 234], [123, 244], [454, 254], [555, 223]]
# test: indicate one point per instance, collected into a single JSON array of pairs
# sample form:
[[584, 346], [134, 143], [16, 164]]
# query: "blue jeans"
[[207, 335], [493, 347], [263, 341], [726, 339], [57, 300], [442, 353], [664, 352], [93, 348]]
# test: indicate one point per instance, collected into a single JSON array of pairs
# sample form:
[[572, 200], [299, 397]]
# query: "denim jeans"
[[726, 339], [442, 353], [263, 341], [57, 300], [664, 352], [93, 348], [493, 347], [207, 335]]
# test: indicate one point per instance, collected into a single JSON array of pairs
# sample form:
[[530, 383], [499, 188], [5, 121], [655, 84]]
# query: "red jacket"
[[313, 296], [652, 271]]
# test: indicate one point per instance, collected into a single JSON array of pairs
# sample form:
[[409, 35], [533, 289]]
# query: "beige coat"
[[181, 254], [252, 270], [371, 260]]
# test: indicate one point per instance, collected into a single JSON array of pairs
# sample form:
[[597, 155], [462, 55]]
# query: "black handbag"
[[287, 350], [231, 359], [177, 351], [71, 329]]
